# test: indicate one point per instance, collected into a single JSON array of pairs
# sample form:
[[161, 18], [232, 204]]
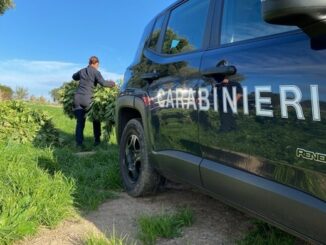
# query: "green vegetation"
[[114, 239], [6, 93], [96, 175], [41, 186], [55, 94], [5, 4], [21, 93], [164, 225], [29, 196], [102, 107], [20, 124], [265, 234]]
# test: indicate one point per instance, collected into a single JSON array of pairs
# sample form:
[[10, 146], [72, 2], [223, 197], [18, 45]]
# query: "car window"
[[144, 39], [186, 27], [156, 32], [242, 20]]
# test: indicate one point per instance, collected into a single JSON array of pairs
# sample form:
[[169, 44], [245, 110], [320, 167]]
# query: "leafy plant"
[[20, 124], [102, 107], [67, 93]]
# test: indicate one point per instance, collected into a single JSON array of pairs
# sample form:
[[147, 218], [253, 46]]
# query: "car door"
[[171, 66], [269, 118]]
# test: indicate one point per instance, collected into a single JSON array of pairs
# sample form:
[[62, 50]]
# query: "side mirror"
[[309, 15]]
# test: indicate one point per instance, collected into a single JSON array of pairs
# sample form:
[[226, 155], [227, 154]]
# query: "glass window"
[[242, 20], [186, 27], [156, 33], [143, 41]]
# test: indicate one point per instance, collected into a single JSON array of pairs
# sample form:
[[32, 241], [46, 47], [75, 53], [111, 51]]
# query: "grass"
[[30, 197], [114, 239], [265, 234], [96, 176], [43, 186], [164, 225]]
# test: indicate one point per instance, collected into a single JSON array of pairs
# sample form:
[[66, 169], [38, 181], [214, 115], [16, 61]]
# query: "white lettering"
[[160, 96], [203, 97], [245, 101], [295, 102], [215, 99], [315, 103], [191, 100], [228, 100], [169, 100], [263, 100], [179, 97]]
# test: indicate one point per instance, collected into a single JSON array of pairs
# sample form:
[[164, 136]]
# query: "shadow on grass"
[[96, 176]]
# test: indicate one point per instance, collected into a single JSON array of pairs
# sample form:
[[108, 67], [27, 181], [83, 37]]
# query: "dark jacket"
[[88, 79]]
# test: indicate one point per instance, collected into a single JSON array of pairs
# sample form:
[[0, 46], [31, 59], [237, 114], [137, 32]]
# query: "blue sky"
[[42, 42]]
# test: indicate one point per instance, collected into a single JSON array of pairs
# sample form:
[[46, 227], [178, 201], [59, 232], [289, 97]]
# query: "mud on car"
[[230, 97]]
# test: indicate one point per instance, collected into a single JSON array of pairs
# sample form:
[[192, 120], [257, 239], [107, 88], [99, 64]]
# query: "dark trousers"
[[81, 120]]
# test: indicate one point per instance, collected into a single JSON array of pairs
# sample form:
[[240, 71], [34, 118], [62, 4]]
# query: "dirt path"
[[215, 223]]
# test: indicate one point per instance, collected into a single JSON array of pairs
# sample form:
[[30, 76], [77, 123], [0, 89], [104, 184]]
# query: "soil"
[[215, 223]]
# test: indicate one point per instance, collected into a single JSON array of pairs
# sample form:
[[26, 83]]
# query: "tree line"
[[20, 93]]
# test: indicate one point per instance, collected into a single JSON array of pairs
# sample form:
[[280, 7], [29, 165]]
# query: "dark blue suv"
[[230, 97]]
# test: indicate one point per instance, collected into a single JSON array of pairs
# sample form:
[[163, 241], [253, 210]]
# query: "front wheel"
[[138, 176]]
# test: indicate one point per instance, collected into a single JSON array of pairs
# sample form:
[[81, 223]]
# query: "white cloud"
[[41, 76]]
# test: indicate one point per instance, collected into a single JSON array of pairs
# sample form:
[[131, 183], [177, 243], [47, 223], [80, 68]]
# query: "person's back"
[[88, 79]]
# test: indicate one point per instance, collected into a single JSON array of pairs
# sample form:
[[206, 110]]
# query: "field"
[[45, 186]]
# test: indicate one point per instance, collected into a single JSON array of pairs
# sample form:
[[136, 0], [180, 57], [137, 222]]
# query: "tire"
[[138, 176]]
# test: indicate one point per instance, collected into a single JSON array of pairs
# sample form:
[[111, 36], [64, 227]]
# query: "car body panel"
[[267, 146]]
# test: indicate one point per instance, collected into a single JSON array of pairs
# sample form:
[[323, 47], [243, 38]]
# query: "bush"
[[20, 124], [102, 108]]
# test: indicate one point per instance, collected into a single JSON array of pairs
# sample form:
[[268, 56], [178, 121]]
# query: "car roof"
[[169, 7]]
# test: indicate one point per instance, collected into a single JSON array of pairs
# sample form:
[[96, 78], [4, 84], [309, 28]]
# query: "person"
[[88, 78]]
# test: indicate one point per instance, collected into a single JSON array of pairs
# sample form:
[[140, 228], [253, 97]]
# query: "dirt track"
[[215, 223]]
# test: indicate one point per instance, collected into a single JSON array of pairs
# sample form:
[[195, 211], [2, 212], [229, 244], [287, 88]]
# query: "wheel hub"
[[133, 157]]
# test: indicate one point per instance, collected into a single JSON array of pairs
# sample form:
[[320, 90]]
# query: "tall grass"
[[30, 197], [41, 187]]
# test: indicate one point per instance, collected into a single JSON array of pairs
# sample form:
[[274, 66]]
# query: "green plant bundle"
[[67, 93], [101, 109], [21, 124]]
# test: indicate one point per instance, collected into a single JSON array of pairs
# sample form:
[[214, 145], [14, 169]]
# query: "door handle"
[[220, 70], [150, 76]]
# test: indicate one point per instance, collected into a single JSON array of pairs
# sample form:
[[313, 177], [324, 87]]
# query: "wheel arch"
[[131, 107]]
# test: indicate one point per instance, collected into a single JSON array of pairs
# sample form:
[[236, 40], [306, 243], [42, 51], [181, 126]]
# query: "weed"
[[164, 225], [113, 239], [265, 234]]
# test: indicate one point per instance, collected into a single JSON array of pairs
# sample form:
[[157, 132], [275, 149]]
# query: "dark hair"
[[93, 60]]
